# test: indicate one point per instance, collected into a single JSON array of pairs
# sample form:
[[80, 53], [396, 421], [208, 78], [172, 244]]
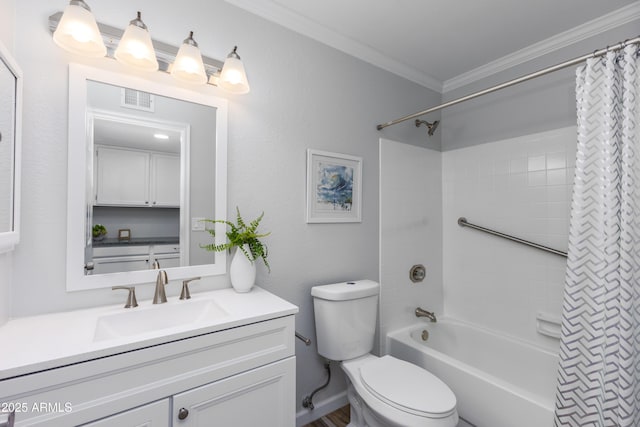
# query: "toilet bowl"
[[388, 392], [383, 391]]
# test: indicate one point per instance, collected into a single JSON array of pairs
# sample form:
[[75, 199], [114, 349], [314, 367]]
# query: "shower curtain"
[[599, 373]]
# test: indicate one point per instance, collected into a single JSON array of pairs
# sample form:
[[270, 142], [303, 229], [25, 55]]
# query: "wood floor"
[[338, 418]]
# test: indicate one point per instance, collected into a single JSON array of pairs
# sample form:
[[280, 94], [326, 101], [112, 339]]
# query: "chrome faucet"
[[160, 297], [428, 314]]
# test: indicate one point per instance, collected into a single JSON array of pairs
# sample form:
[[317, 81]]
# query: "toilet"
[[383, 391]]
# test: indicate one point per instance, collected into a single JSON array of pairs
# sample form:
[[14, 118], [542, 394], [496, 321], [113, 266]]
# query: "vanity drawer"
[[98, 388], [123, 250], [166, 249]]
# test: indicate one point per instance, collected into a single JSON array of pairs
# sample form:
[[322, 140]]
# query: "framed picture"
[[124, 234], [334, 187]]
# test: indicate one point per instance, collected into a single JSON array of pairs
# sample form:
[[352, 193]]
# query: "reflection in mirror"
[[153, 162], [10, 126]]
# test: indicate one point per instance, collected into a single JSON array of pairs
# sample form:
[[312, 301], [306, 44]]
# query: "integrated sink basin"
[[159, 317]]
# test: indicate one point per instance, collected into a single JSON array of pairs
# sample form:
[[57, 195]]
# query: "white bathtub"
[[498, 381]]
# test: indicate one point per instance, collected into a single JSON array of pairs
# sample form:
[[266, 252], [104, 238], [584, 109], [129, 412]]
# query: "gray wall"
[[538, 105], [304, 95]]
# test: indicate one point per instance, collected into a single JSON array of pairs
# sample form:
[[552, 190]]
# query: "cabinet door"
[[261, 397], [119, 264], [165, 180], [152, 415], [122, 177]]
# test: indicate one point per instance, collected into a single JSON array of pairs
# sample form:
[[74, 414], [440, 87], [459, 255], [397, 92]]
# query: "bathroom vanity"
[[220, 358]]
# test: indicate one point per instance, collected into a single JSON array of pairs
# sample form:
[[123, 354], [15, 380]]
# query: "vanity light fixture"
[[188, 65], [135, 47], [233, 78], [78, 31], [145, 53], [162, 136]]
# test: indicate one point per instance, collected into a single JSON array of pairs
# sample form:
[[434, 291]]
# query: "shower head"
[[431, 127]]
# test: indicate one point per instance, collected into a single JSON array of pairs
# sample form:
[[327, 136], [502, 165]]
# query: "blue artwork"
[[334, 190]]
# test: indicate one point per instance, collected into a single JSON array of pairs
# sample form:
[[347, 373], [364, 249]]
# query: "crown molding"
[[300, 24], [591, 28]]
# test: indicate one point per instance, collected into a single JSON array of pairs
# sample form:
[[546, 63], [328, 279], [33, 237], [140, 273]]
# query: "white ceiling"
[[443, 44]]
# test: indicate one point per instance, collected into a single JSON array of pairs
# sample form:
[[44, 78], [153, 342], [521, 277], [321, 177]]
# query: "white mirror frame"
[[9, 239], [80, 154]]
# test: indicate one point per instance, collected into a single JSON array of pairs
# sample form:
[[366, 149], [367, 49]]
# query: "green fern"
[[240, 234]]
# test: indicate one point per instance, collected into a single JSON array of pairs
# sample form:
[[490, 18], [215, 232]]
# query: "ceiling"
[[444, 44], [140, 136]]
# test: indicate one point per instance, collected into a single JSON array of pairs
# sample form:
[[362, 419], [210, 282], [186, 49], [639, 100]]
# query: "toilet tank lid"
[[346, 290]]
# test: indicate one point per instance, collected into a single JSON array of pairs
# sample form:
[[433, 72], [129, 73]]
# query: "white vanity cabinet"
[[127, 177], [259, 397], [154, 414], [240, 376]]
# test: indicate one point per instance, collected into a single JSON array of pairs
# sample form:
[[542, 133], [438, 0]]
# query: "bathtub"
[[498, 381]]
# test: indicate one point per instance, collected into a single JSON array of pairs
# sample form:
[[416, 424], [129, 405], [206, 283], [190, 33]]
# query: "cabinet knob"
[[183, 413]]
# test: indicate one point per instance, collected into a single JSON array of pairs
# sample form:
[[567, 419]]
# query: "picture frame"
[[334, 187], [124, 234]]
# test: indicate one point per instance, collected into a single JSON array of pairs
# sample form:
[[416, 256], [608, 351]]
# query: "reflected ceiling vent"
[[138, 100]]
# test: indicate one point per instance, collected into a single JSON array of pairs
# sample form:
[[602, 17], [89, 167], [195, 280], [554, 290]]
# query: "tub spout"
[[428, 314]]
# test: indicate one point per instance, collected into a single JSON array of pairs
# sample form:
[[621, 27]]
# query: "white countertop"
[[36, 343]]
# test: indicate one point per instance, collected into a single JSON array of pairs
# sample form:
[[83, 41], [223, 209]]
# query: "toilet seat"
[[407, 387]]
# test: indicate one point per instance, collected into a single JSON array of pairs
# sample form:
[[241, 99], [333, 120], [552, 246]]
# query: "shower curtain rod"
[[509, 83]]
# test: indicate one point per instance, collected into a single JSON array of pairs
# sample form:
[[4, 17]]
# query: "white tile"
[[558, 210], [556, 177], [556, 193], [536, 163], [500, 166], [556, 160], [511, 281], [518, 165], [538, 178]]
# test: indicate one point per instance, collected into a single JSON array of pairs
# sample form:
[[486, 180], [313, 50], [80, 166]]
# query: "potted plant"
[[99, 231], [244, 237]]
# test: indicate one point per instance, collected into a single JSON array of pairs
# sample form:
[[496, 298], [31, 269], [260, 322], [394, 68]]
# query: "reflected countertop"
[[136, 241]]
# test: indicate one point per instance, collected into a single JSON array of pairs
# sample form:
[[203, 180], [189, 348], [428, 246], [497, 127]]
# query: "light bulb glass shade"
[[188, 65], [233, 78], [78, 31], [136, 49]]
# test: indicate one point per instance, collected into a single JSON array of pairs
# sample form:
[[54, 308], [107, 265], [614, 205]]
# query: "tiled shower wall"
[[521, 186]]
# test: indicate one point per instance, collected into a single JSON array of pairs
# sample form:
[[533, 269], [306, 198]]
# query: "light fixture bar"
[[165, 53]]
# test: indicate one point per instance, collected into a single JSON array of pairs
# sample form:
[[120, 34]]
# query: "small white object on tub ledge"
[[548, 324]]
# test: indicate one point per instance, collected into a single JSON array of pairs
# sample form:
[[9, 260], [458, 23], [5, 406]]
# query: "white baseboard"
[[322, 408]]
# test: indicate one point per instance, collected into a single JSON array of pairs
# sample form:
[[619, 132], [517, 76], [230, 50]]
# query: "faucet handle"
[[184, 294], [131, 298]]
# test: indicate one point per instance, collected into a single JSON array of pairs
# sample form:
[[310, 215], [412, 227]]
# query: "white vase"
[[242, 271]]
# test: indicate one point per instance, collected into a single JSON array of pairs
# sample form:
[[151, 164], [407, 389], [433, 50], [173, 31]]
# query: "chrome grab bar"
[[462, 222], [302, 338]]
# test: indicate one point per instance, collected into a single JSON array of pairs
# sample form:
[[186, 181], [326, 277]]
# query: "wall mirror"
[[10, 145], [147, 162]]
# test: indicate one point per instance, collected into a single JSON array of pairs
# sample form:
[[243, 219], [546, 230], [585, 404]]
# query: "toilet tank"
[[345, 316]]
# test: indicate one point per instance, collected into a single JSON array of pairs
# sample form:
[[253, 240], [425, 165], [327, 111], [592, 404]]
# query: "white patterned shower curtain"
[[599, 374]]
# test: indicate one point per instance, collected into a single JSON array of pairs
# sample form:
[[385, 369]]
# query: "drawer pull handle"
[[183, 413]]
